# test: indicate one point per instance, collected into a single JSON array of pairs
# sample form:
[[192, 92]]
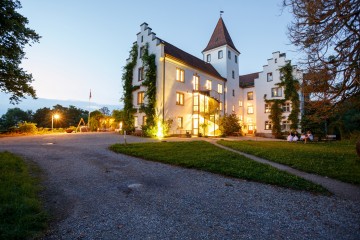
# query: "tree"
[[327, 31], [229, 124], [14, 36], [13, 117], [42, 117]]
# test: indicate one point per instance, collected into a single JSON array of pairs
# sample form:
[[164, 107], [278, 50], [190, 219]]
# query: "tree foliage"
[[229, 124], [14, 36], [13, 117], [276, 116], [327, 31]]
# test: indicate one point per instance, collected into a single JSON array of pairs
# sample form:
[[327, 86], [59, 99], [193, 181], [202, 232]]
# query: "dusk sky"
[[85, 43]]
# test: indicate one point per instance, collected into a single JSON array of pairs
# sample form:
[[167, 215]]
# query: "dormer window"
[[208, 58]]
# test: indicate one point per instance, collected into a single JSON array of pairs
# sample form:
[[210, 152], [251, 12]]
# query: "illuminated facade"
[[194, 93]]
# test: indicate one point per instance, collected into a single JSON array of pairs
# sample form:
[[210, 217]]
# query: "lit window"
[[276, 92], [267, 108], [249, 120], [208, 84], [250, 109], [233, 108], [141, 74], [220, 106], [196, 82], [180, 122], [229, 55], [250, 96], [220, 54], [180, 75], [136, 124], [220, 88], [144, 120], [179, 98], [208, 58], [140, 98], [286, 107], [269, 77], [240, 103], [268, 125]]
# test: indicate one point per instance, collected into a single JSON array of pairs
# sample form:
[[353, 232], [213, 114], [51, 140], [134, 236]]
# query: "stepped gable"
[[190, 60], [248, 80], [220, 37]]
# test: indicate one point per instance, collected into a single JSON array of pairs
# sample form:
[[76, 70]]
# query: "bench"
[[330, 138]]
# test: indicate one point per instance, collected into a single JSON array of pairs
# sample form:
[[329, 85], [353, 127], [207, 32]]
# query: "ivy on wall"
[[150, 84], [276, 116], [128, 88]]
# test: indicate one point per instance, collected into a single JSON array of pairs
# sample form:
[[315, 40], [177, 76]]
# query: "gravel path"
[[94, 193]]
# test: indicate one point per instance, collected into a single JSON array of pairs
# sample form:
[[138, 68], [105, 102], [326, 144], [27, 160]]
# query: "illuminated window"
[[250, 96], [141, 74], [249, 120], [180, 122], [269, 77], [208, 58], [179, 98], [196, 82], [267, 108], [208, 84], [250, 109], [233, 108], [140, 98], [144, 120], [220, 54], [268, 125], [220, 106], [286, 107], [276, 92], [180, 75], [136, 124], [240, 103], [220, 88]]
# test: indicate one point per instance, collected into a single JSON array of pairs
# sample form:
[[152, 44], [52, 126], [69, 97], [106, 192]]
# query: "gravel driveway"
[[94, 193]]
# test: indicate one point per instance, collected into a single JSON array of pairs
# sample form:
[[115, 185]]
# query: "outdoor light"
[[56, 116], [159, 133]]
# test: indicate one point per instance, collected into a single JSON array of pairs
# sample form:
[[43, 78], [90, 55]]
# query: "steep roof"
[[189, 59], [248, 80], [220, 37]]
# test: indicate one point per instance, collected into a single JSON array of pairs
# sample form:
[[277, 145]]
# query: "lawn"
[[205, 156], [21, 214], [336, 160]]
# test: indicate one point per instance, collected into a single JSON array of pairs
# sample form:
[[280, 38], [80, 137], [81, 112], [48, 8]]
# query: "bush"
[[27, 127], [229, 124]]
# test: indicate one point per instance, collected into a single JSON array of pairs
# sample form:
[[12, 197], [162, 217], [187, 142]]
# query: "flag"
[[90, 95]]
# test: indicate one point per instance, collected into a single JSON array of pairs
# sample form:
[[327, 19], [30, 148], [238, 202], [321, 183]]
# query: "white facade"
[[188, 88]]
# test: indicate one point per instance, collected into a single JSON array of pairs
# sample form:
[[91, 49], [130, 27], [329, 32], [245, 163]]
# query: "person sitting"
[[295, 138], [302, 137], [308, 136], [290, 137]]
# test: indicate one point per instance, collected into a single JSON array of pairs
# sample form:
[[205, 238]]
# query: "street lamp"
[[56, 116]]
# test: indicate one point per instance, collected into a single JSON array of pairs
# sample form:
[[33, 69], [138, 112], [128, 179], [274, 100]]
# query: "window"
[[208, 84], [220, 106], [235, 58], [179, 98], [142, 38], [250, 109], [269, 77], [233, 92], [220, 89], [180, 75], [267, 108], [196, 82], [141, 52], [275, 60], [286, 107], [250, 96], [179, 122], [140, 98], [233, 108], [144, 120], [240, 103], [268, 125], [285, 125], [136, 124], [233, 74], [220, 54], [276, 92], [208, 58], [141, 74], [229, 55], [249, 120]]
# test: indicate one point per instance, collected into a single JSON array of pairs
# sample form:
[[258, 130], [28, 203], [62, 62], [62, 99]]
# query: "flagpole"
[[89, 111]]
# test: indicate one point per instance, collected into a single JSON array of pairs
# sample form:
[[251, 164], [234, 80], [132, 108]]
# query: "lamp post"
[[56, 116]]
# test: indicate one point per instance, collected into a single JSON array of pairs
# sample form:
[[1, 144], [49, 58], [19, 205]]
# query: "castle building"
[[195, 92]]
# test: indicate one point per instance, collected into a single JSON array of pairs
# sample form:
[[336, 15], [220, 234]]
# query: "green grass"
[[336, 160], [21, 215], [205, 156]]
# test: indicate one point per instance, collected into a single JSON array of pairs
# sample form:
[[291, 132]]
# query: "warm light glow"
[[56, 116], [120, 125], [159, 133]]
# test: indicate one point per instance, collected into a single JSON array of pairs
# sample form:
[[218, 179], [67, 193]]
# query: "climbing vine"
[[276, 116], [128, 88], [292, 87], [150, 84]]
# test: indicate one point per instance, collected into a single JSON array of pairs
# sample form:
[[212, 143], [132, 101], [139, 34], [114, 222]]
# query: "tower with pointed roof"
[[221, 53]]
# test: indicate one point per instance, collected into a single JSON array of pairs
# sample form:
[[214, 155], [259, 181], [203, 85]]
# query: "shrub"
[[26, 127], [229, 124]]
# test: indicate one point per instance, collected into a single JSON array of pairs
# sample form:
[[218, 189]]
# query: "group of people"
[[293, 137]]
